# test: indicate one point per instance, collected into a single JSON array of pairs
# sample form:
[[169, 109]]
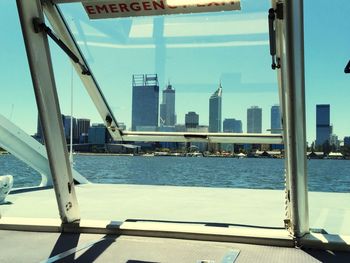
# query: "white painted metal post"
[[290, 51], [61, 29], [39, 58]]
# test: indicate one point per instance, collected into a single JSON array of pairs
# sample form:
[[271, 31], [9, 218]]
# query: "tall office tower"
[[67, 127], [145, 102], [276, 124], [215, 110], [167, 108], [191, 119], [83, 126], [323, 127], [232, 125], [254, 120]]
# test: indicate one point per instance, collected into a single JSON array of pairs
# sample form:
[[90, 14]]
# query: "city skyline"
[[241, 62]]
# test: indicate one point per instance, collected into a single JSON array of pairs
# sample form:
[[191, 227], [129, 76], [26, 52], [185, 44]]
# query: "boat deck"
[[248, 207], [164, 224], [55, 247]]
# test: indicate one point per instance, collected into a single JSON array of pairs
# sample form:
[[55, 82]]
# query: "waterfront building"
[[98, 134], [167, 108], [83, 126], [323, 127], [232, 125], [191, 120], [215, 104], [254, 120], [276, 125], [180, 127], [145, 102], [347, 141], [334, 141], [67, 128]]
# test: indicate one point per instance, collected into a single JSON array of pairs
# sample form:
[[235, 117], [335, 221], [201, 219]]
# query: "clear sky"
[[194, 52]]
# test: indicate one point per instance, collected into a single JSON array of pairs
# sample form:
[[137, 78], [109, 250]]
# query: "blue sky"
[[195, 54]]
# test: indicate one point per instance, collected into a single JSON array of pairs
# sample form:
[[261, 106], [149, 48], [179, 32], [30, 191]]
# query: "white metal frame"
[[292, 88], [30, 151], [40, 64], [290, 51]]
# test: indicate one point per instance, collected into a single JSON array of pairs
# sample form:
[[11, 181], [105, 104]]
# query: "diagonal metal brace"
[[40, 26], [347, 68]]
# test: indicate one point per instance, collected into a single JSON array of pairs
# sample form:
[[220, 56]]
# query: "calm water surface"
[[324, 175]]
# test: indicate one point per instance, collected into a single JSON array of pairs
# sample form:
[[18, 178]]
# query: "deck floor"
[[19, 246], [329, 211]]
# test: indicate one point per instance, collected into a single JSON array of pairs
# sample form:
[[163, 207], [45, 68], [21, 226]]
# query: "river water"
[[323, 175]]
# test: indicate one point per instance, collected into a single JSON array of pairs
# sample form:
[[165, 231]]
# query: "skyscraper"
[[191, 120], [276, 119], [323, 127], [215, 110], [232, 125], [167, 108], [145, 102], [254, 120], [83, 126]]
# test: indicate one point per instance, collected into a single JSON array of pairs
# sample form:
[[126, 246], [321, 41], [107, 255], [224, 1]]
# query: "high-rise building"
[[254, 120], [67, 127], [98, 134], [215, 102], [191, 120], [167, 108], [232, 125], [145, 102], [83, 126], [323, 127], [347, 141], [276, 124]]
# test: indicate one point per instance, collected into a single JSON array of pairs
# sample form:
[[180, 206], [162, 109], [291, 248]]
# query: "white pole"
[[71, 120]]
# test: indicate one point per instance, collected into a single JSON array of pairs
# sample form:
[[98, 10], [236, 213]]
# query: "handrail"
[[203, 137]]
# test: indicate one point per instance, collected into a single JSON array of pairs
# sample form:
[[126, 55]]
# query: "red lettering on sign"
[[146, 6], [123, 7], [156, 5], [135, 6], [101, 9], [113, 8], [90, 10]]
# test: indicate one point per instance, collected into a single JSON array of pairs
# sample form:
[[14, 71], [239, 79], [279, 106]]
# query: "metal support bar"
[[27, 149], [347, 68], [39, 58], [39, 26], [203, 137], [61, 29], [290, 48]]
